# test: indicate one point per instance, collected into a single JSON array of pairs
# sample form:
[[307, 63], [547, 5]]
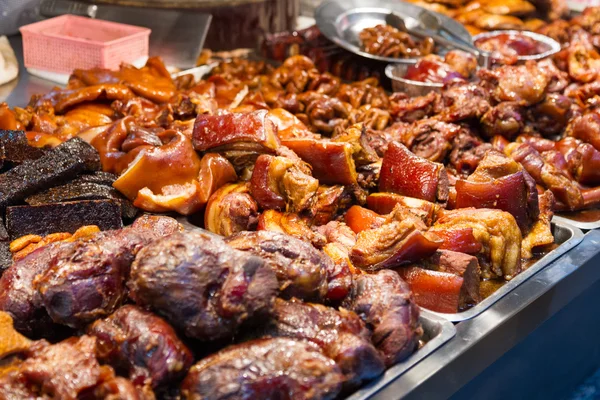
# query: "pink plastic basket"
[[65, 43]]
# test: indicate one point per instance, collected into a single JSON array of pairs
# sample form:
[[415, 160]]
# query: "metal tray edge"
[[429, 321], [577, 224], [574, 240]]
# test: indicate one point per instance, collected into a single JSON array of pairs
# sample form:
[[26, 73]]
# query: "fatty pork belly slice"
[[240, 137], [502, 183], [407, 174], [203, 287], [266, 369], [301, 269], [142, 345], [386, 304], [402, 239], [496, 231], [342, 336], [447, 282]]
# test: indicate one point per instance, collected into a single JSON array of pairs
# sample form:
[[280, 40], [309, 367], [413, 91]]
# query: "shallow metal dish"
[[594, 223], [554, 46], [437, 331], [341, 21], [396, 72], [566, 236]]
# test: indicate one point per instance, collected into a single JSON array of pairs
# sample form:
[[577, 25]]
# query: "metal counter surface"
[[480, 342]]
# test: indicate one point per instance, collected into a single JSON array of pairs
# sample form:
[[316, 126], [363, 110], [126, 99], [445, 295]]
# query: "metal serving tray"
[[566, 236], [563, 219], [437, 331]]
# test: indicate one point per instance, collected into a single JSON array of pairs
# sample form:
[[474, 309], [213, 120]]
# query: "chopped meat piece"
[[541, 233], [498, 233], [384, 301], [300, 268], [290, 224], [504, 119], [550, 117], [409, 175], [267, 369], [411, 109], [462, 102], [525, 83], [430, 138], [342, 336], [200, 285], [142, 345], [231, 209], [61, 371], [400, 240]]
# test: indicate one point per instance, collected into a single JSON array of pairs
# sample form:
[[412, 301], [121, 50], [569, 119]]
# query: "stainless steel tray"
[[566, 236], [579, 224], [437, 331]]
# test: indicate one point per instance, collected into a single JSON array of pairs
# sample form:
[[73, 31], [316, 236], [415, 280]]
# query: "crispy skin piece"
[[342, 336], [200, 285], [215, 131], [498, 233], [266, 369], [384, 302], [86, 279], [57, 165], [301, 269], [143, 345], [400, 240], [409, 175]]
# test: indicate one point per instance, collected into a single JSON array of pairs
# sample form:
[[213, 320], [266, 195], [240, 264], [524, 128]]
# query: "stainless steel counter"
[[474, 362]]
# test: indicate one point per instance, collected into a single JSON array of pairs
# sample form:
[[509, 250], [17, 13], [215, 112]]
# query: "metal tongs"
[[429, 25]]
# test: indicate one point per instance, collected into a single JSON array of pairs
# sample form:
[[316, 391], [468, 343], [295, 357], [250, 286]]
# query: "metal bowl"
[[341, 21], [553, 46], [396, 72]]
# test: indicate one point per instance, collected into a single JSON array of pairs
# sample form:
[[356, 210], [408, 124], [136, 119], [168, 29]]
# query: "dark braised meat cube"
[[142, 345], [200, 285], [342, 336], [61, 163], [301, 269], [384, 301], [50, 218], [15, 149], [266, 369], [86, 279], [5, 254]]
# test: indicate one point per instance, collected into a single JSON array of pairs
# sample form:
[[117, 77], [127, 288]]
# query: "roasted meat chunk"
[[267, 369], [301, 269], [430, 138], [342, 336], [142, 345], [291, 224], [231, 209], [384, 302], [525, 83], [200, 285]]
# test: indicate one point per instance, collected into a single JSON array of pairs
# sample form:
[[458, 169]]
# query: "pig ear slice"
[[404, 173]]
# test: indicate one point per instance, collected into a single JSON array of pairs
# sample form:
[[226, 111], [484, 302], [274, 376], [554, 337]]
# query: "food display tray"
[[587, 225], [566, 236], [437, 331]]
